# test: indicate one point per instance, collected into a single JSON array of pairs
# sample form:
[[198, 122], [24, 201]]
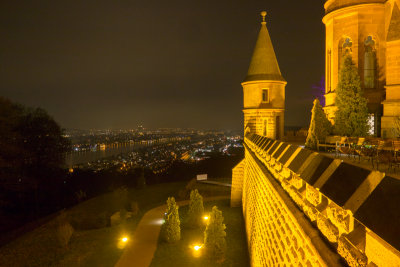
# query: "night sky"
[[117, 64]]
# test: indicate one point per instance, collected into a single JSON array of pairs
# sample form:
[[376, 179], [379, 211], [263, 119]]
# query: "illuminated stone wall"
[[293, 196], [264, 117], [237, 184], [274, 235], [391, 105]]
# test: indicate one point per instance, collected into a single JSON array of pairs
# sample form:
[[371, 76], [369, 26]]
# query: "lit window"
[[371, 124], [265, 95]]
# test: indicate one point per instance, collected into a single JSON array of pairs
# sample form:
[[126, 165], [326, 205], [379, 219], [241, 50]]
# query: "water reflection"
[[79, 157]]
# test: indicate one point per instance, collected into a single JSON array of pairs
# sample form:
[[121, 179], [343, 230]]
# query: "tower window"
[[265, 95], [328, 71], [345, 47]]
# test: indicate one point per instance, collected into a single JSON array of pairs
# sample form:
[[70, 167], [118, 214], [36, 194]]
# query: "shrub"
[[214, 236], [196, 209], [120, 198], [184, 193], [320, 126], [171, 229], [64, 233], [90, 221], [80, 195], [122, 214], [134, 208]]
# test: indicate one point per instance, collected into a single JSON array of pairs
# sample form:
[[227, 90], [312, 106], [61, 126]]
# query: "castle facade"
[[369, 30]]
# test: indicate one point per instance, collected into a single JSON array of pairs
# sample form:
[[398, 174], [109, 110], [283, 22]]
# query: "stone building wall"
[[354, 209], [237, 184], [274, 235]]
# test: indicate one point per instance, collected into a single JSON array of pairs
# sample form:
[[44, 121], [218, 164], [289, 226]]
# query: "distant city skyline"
[[166, 64]]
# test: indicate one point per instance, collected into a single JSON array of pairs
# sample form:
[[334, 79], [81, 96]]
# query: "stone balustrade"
[[355, 209]]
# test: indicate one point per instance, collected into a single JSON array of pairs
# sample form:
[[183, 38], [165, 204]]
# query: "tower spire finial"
[[263, 14]]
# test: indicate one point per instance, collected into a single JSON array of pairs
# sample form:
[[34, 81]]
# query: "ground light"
[[122, 242], [197, 250]]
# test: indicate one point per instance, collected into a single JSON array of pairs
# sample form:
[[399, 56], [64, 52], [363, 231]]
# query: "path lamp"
[[197, 250], [122, 242]]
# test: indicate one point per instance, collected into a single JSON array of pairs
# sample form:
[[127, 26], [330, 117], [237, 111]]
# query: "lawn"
[[182, 253], [96, 246], [94, 242]]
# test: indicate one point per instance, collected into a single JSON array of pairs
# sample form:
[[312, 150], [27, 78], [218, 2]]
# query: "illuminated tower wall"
[[356, 27], [391, 105], [264, 90]]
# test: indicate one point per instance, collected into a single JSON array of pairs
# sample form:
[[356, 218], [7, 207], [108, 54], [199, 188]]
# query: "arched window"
[[369, 63], [328, 71], [345, 47]]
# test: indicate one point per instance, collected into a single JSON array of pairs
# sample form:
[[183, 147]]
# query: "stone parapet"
[[354, 208], [237, 184]]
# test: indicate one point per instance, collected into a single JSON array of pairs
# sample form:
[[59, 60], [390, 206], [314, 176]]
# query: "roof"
[[263, 65]]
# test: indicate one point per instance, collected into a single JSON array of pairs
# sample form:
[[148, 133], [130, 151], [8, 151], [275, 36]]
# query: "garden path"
[[143, 244]]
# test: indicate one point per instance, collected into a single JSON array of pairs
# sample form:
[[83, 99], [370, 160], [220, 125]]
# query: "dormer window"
[[265, 96]]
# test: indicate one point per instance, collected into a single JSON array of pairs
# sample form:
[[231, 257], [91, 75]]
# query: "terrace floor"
[[354, 160]]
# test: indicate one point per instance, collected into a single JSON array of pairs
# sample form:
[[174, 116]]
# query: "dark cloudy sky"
[[176, 63]]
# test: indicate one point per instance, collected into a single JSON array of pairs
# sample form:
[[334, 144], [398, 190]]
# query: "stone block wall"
[[355, 209], [274, 235], [237, 184]]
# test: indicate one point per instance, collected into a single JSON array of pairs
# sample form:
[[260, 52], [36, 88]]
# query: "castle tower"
[[357, 27], [264, 89]]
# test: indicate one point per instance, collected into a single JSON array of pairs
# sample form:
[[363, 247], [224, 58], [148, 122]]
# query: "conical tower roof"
[[263, 65]]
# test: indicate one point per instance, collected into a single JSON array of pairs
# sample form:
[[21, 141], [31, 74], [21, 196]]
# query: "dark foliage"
[[32, 150]]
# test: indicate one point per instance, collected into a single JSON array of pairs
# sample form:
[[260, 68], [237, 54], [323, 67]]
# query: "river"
[[74, 158]]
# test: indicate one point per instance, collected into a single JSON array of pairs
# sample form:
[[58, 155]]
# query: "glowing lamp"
[[197, 247], [205, 218], [122, 242]]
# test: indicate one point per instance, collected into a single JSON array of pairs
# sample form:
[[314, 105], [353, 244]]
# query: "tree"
[[196, 209], [214, 235], [171, 229], [32, 151], [320, 126], [43, 139], [351, 117]]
